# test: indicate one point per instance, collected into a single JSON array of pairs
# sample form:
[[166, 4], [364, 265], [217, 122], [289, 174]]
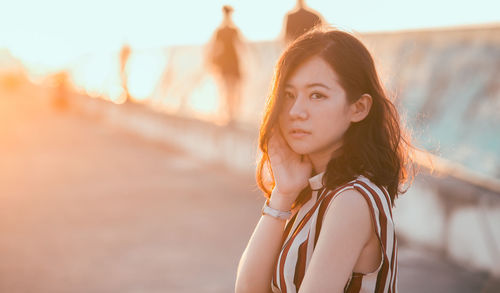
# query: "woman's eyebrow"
[[317, 84], [309, 85]]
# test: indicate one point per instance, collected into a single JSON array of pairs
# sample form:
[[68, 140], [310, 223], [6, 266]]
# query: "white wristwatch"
[[281, 215]]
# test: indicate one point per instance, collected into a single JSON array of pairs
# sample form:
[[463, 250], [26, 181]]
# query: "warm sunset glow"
[[54, 33], [130, 133]]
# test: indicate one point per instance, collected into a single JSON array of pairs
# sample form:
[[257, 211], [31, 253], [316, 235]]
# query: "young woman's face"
[[315, 113]]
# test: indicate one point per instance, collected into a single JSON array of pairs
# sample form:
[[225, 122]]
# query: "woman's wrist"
[[280, 202]]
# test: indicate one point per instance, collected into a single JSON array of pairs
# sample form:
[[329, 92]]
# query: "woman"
[[334, 157]]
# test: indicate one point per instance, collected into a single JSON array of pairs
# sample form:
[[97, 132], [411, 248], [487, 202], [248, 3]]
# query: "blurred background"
[[128, 137]]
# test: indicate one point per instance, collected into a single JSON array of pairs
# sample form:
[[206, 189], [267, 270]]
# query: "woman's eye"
[[289, 95], [316, 96]]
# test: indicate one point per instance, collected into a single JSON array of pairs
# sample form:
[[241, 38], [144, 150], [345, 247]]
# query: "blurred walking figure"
[[60, 93], [300, 20], [124, 55], [224, 60]]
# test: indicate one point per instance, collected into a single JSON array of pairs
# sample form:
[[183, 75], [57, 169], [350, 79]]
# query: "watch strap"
[[281, 215]]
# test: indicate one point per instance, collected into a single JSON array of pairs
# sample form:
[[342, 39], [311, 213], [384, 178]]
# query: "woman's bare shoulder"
[[349, 210]]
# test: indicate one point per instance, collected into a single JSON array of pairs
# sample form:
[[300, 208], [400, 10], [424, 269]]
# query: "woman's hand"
[[291, 171]]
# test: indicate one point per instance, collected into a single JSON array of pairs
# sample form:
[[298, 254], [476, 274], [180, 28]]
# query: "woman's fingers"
[[282, 157], [280, 145], [276, 144], [273, 148]]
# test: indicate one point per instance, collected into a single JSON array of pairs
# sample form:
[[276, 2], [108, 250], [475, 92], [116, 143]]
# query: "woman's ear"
[[361, 108]]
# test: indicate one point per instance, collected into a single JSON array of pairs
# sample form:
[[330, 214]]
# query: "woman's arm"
[[257, 262], [347, 228], [290, 172]]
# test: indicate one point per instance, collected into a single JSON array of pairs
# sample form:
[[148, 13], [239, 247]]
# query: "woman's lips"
[[298, 133]]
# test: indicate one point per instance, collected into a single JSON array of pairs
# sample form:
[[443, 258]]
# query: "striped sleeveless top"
[[303, 229]]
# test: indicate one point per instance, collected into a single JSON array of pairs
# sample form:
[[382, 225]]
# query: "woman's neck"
[[320, 160], [319, 163]]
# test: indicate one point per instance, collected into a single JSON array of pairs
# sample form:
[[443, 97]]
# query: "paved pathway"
[[88, 208]]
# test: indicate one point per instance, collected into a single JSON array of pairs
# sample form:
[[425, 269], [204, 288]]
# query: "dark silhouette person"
[[124, 56], [300, 20], [225, 62]]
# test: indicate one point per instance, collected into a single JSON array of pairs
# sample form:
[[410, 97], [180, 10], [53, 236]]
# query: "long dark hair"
[[376, 147]]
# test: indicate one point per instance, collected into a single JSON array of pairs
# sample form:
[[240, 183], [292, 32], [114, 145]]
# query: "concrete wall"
[[455, 217]]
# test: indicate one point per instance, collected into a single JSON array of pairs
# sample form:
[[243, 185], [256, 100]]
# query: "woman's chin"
[[300, 150]]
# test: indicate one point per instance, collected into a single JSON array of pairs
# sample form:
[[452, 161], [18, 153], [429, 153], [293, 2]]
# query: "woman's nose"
[[299, 109]]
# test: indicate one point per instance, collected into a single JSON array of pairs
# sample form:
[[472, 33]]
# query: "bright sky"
[[56, 31]]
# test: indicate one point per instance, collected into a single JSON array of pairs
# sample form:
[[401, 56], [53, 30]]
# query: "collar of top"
[[316, 182]]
